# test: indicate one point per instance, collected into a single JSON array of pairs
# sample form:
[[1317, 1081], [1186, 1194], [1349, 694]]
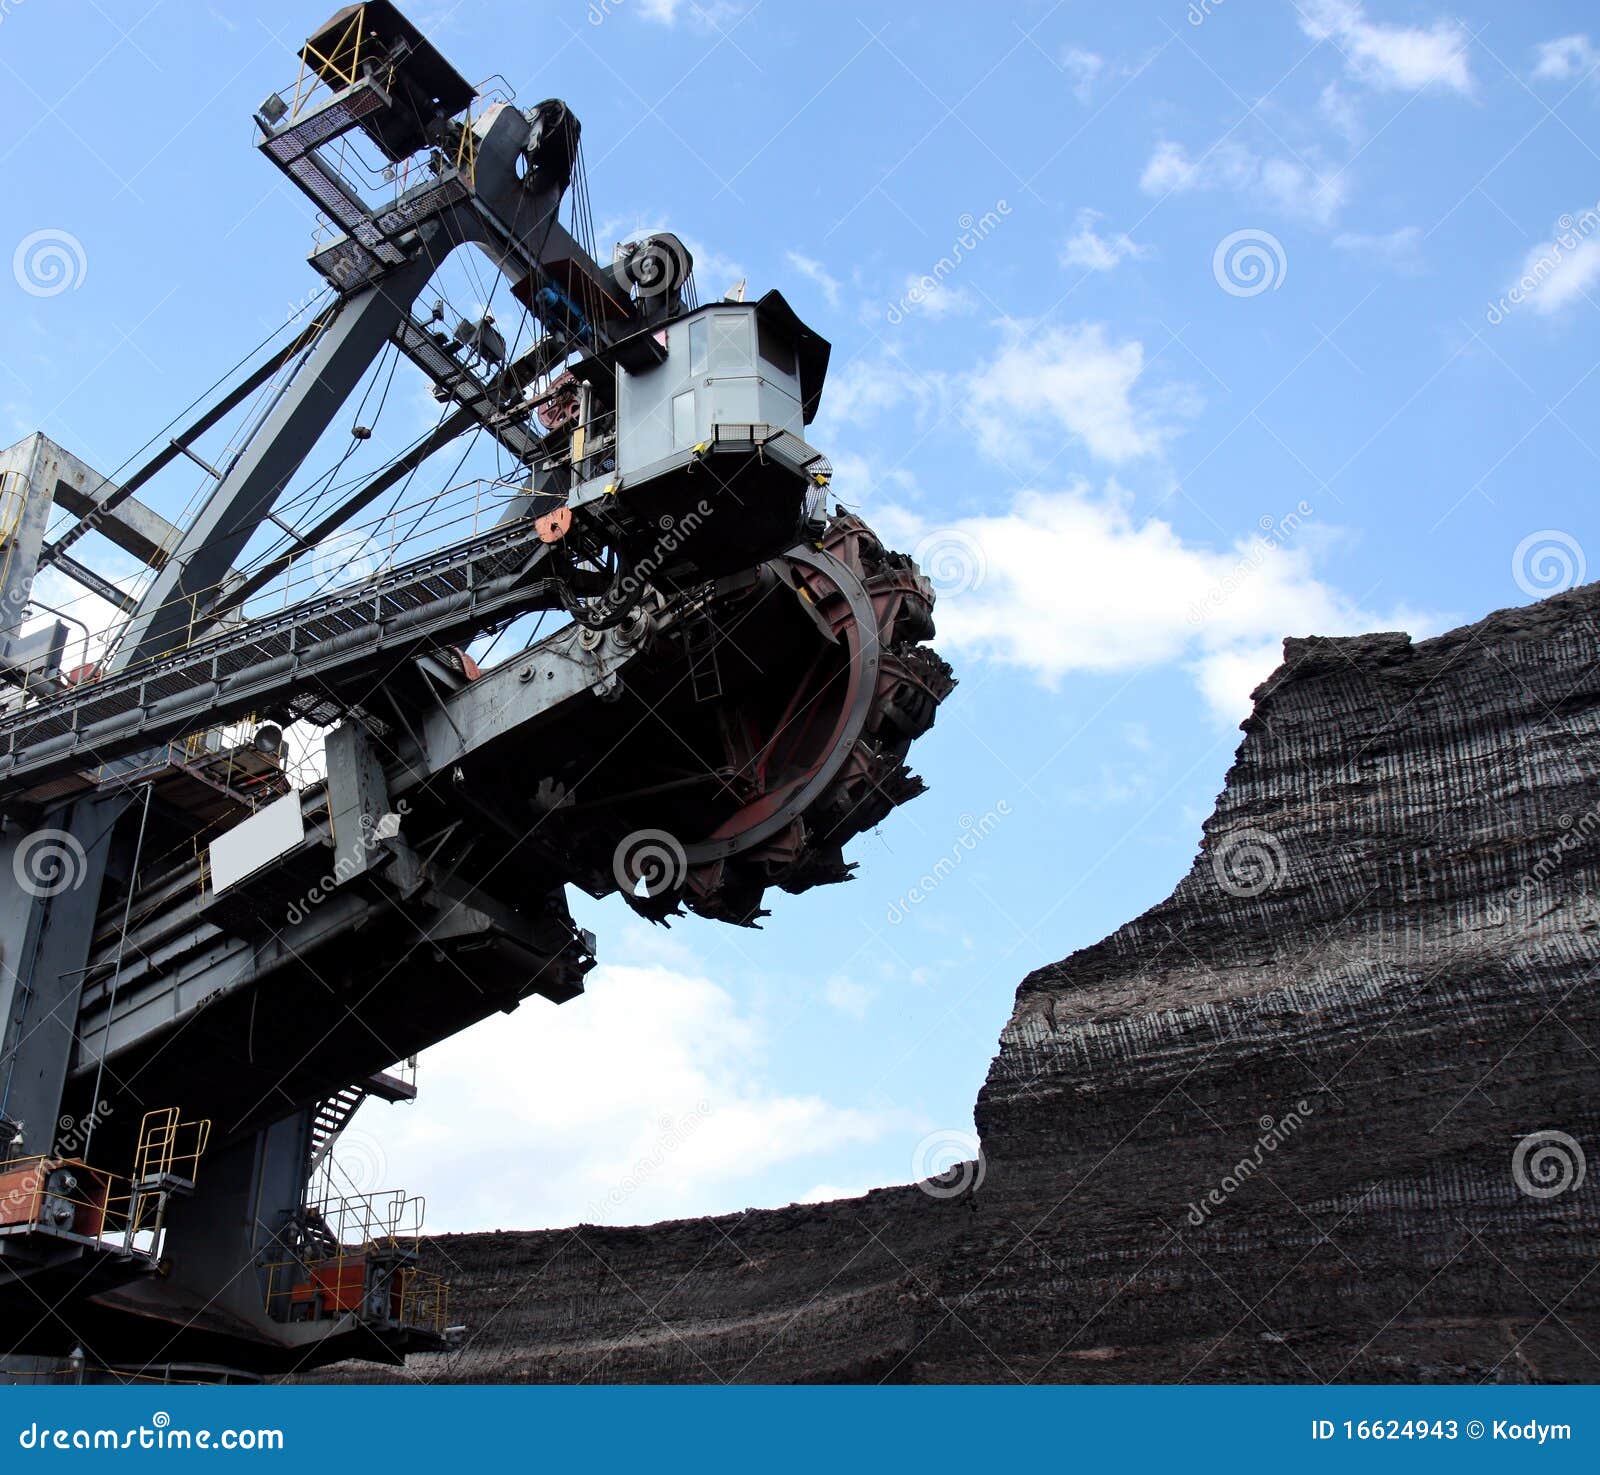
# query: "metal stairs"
[[292, 662], [331, 1117], [332, 1114]]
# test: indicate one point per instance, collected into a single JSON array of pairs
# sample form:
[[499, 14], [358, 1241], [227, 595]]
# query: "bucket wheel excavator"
[[215, 950]]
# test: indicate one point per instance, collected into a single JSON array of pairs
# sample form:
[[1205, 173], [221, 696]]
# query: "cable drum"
[[654, 267]]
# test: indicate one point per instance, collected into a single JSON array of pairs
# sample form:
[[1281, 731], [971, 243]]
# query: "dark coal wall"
[[1292, 1124]]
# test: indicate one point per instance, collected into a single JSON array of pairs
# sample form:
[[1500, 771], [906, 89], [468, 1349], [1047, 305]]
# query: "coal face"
[[1323, 1114]]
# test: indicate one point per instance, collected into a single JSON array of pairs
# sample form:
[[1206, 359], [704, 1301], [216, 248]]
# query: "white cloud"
[[815, 272], [1403, 58], [1565, 58], [935, 298], [1397, 248], [1559, 272], [1075, 380], [847, 996], [1340, 112], [712, 15], [1083, 67], [1285, 185], [1087, 248], [863, 389], [1073, 584], [644, 1099], [827, 1193]]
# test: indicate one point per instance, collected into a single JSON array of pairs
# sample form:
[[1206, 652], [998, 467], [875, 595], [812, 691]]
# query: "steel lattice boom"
[[213, 960]]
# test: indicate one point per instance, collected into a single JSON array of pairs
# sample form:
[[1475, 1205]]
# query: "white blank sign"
[[251, 843]]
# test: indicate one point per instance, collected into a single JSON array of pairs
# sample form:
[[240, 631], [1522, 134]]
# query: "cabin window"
[[683, 418], [775, 349], [729, 350]]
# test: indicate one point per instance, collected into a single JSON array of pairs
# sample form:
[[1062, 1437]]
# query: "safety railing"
[[62, 1195], [356, 1258], [371, 1220], [169, 1147], [344, 63], [424, 1300]]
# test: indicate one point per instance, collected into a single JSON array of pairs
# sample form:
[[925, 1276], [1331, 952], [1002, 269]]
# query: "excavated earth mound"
[[1293, 1124]]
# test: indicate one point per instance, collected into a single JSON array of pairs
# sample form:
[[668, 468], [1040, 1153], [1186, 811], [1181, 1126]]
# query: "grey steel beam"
[[46, 926], [441, 596], [236, 594], [239, 503], [174, 447]]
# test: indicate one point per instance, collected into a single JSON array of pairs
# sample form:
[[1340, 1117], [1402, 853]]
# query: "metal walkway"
[[291, 662]]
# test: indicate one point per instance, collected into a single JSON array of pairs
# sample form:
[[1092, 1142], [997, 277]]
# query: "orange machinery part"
[[22, 1194], [340, 1285]]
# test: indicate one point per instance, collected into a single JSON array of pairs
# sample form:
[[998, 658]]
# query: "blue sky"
[[1163, 333]]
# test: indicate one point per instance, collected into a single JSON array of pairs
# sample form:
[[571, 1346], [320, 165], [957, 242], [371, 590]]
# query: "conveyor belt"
[[290, 662]]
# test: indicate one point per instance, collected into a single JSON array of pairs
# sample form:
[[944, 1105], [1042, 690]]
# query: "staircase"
[[330, 1118], [332, 1114]]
